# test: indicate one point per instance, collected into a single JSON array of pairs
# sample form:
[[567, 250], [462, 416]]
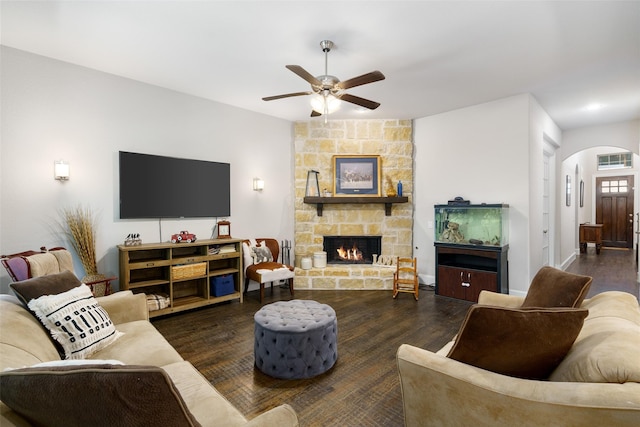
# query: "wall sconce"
[[258, 184], [61, 170]]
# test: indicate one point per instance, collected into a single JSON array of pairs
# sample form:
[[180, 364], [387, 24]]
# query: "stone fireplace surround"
[[315, 144]]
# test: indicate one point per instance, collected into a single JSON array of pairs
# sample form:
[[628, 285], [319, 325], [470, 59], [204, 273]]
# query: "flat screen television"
[[168, 187]]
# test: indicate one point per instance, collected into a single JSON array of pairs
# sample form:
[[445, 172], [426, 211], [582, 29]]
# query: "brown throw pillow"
[[89, 395], [51, 284], [552, 287], [526, 343]]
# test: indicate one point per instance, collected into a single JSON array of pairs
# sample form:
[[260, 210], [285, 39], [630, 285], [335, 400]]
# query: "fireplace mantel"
[[387, 201]]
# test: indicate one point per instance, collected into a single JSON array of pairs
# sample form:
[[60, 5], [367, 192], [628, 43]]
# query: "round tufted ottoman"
[[295, 339]]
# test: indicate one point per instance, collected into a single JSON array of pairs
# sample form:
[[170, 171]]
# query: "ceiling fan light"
[[332, 104]]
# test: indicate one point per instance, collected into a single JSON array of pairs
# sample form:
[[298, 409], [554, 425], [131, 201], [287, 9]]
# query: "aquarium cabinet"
[[472, 245]]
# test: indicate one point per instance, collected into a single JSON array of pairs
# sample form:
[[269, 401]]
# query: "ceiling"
[[437, 56]]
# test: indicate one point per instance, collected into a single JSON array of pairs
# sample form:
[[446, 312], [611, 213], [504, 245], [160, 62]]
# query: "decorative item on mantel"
[[390, 189], [313, 187]]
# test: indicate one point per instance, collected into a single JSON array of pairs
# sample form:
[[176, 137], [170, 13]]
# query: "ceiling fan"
[[329, 88]]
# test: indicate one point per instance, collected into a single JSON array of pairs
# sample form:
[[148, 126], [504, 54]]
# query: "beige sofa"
[[596, 384], [24, 342]]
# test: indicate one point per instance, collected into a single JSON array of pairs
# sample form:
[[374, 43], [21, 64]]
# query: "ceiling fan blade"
[[314, 113], [371, 105], [286, 95], [304, 74], [364, 79]]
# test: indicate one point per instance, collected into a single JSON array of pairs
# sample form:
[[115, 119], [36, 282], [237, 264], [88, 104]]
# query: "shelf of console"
[[343, 200]]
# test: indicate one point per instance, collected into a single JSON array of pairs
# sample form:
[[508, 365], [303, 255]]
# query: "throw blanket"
[[157, 301]]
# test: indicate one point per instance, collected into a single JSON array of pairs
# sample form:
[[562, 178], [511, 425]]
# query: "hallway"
[[612, 270]]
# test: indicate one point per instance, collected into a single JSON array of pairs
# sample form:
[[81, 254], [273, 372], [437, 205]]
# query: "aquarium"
[[482, 225]]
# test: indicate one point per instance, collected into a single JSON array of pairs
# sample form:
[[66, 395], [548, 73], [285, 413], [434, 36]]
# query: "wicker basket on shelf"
[[189, 270]]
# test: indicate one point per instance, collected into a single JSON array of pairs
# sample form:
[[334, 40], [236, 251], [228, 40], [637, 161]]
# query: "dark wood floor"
[[612, 270], [362, 389]]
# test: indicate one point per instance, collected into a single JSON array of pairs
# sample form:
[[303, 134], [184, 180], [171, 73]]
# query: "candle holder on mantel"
[[313, 187]]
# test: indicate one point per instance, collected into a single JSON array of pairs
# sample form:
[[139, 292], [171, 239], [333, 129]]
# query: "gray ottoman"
[[295, 339]]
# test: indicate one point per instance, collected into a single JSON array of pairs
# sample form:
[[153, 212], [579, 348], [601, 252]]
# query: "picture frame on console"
[[356, 175]]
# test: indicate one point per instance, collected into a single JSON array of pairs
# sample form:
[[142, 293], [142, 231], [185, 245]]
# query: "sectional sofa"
[[139, 379]]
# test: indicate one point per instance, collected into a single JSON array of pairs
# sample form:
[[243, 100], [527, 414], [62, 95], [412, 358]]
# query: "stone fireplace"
[[315, 145], [351, 249]]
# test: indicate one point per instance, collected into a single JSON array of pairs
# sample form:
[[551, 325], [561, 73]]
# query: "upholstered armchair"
[[262, 266], [28, 264]]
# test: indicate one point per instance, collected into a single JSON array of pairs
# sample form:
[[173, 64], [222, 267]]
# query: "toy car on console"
[[183, 236]]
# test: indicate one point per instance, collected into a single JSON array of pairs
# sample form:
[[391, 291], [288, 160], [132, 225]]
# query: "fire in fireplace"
[[351, 249]]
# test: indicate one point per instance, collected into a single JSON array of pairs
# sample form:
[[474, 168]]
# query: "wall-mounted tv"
[[168, 187]]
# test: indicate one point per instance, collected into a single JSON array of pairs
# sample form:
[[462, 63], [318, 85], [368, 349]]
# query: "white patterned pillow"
[[76, 320], [261, 254]]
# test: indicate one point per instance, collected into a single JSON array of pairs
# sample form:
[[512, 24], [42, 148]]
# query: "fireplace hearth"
[[351, 249]]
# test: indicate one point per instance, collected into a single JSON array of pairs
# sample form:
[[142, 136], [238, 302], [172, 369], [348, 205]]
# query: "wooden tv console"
[[183, 271]]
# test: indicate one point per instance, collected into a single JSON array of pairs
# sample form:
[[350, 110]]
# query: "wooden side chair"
[[262, 266], [405, 279]]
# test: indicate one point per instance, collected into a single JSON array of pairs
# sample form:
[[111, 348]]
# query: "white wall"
[[543, 135], [625, 135], [481, 154], [54, 110]]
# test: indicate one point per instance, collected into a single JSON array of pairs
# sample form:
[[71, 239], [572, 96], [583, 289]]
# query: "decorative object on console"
[[183, 236], [357, 175], [224, 229], [133, 239]]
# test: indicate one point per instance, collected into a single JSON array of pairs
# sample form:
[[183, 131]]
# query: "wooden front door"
[[614, 210]]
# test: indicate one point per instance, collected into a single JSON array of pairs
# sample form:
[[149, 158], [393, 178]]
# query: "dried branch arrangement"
[[79, 227]]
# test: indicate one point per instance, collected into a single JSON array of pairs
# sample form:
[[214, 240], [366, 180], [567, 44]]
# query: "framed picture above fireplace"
[[356, 175]]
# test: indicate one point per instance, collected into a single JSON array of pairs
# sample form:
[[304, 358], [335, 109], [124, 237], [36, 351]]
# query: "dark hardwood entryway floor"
[[612, 270], [362, 389]]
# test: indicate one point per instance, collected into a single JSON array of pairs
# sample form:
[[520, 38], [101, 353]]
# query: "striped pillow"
[[76, 320]]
